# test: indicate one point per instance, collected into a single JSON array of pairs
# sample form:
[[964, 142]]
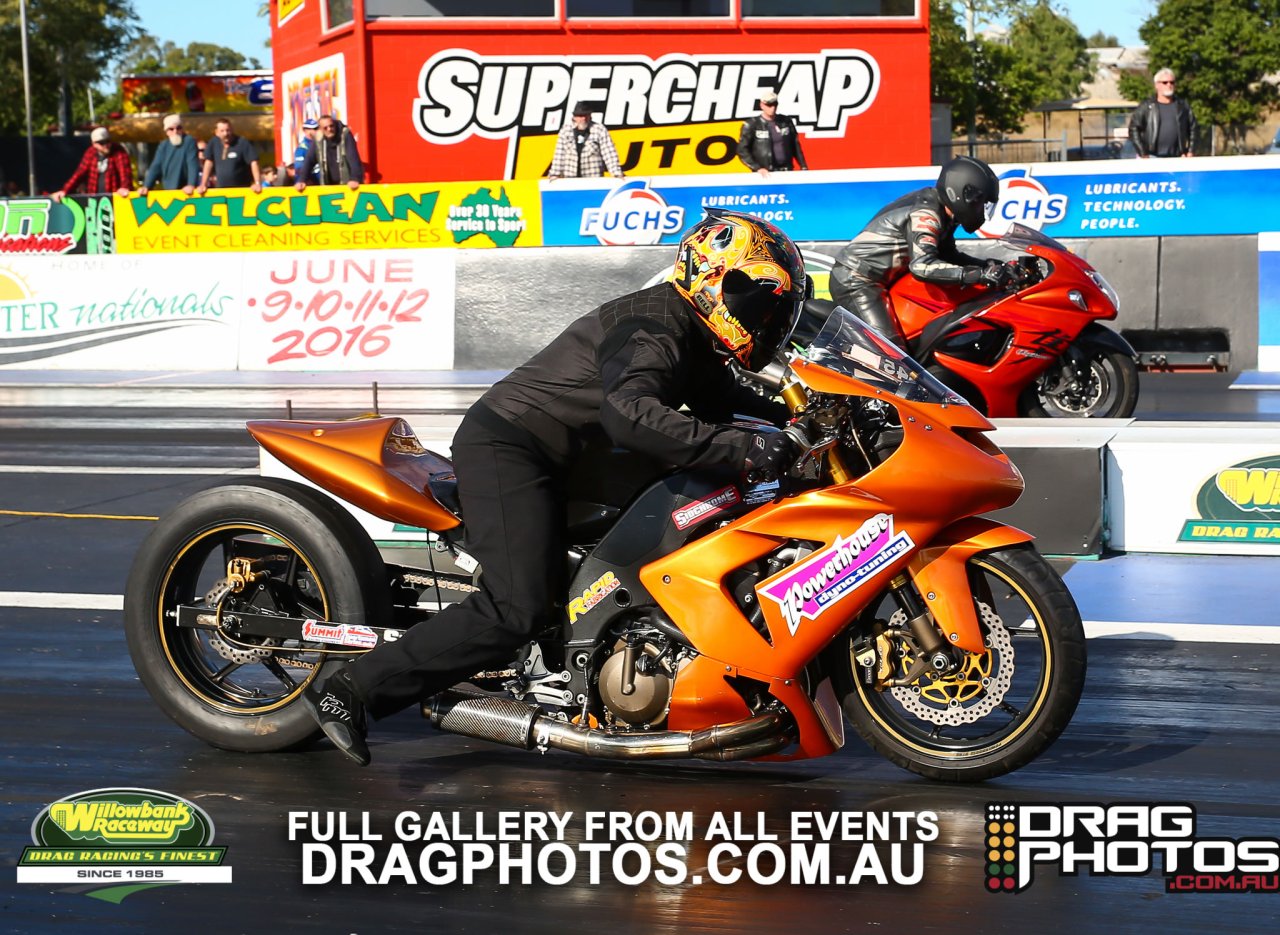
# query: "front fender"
[[940, 573], [1100, 337]]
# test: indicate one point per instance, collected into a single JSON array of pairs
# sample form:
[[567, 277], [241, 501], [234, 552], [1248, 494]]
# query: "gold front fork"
[[796, 398]]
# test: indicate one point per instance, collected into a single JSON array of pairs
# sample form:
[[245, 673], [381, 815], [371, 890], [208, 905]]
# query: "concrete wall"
[[510, 303]]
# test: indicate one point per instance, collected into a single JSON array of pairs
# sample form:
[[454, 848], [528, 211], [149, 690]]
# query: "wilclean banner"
[[473, 214]]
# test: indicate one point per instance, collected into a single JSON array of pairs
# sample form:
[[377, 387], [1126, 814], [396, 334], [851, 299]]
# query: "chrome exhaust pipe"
[[510, 722]]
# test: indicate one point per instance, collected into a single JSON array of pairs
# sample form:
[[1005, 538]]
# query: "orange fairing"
[[939, 571], [912, 513], [375, 464]]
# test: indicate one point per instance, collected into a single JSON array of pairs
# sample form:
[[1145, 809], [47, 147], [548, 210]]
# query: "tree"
[[1051, 51], [1220, 50], [983, 78], [72, 45], [1102, 40], [147, 55]]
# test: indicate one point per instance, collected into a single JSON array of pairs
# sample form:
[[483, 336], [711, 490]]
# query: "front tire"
[[1004, 707], [1105, 388], [319, 563]]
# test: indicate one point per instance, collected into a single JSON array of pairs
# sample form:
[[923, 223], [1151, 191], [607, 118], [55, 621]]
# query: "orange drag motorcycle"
[[705, 617]]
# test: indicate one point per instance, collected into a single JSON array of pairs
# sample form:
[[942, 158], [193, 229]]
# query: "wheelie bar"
[[516, 724]]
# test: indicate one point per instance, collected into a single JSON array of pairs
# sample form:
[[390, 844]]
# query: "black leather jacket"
[[912, 234], [755, 148], [1144, 126], [622, 372]]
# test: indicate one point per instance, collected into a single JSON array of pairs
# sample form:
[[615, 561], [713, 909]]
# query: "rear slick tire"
[[321, 565], [1031, 678]]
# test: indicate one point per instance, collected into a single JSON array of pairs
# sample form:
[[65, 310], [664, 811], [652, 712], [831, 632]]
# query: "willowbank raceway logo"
[[114, 842], [1122, 840], [1240, 503]]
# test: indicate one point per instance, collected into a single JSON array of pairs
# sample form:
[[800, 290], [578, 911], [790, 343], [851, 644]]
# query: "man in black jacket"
[[769, 142], [1163, 125], [335, 157], [916, 235], [621, 374]]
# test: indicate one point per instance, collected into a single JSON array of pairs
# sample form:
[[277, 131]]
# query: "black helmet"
[[745, 279], [967, 186]]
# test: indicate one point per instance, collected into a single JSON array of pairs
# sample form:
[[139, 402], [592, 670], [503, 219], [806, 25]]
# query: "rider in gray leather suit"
[[916, 234]]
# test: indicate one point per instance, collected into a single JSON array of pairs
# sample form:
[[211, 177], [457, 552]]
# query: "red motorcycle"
[[1034, 348]]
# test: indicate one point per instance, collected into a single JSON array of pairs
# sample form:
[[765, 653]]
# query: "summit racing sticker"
[[119, 841], [810, 589], [1122, 840], [1237, 504], [339, 634], [718, 502]]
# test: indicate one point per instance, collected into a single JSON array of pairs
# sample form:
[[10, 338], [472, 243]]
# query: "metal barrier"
[[1049, 149]]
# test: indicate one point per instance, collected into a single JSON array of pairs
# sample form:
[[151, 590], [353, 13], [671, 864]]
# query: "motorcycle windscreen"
[[848, 345]]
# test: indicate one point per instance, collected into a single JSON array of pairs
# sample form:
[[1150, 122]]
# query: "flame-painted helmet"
[[967, 186], [745, 279]]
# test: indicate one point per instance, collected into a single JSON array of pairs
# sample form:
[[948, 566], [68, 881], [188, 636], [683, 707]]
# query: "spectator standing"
[[104, 168], [231, 160], [769, 142], [584, 148], [270, 177], [176, 165], [309, 127], [335, 156], [1163, 125]]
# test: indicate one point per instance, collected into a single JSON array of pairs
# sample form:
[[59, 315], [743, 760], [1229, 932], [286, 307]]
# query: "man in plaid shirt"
[[584, 149], [105, 168]]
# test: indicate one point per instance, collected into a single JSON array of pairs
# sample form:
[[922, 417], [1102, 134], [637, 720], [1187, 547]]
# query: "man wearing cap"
[[309, 127], [584, 148], [176, 165], [105, 168], [769, 142]]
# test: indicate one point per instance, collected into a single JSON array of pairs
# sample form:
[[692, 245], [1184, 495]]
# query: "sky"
[[232, 23], [236, 24]]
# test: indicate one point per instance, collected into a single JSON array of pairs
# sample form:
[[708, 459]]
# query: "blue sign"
[[1141, 198], [262, 92]]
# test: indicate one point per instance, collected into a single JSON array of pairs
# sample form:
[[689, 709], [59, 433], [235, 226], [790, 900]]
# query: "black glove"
[[770, 456], [992, 274]]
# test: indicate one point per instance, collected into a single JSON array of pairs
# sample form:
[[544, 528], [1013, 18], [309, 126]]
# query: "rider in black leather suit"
[[620, 374], [916, 234]]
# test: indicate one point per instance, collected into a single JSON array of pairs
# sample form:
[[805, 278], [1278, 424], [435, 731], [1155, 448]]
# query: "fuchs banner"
[[1153, 198]]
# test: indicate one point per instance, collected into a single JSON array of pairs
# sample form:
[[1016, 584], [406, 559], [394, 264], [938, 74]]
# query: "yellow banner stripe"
[[75, 515]]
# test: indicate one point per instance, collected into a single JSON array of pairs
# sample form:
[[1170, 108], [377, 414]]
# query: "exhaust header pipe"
[[510, 722]]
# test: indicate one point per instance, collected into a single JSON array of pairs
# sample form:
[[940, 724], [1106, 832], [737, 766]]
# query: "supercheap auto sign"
[[475, 214]]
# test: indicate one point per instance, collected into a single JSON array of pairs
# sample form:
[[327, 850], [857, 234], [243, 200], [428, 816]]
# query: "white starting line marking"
[[117, 469], [50, 601]]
